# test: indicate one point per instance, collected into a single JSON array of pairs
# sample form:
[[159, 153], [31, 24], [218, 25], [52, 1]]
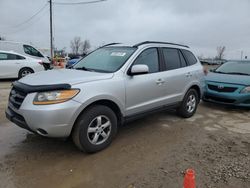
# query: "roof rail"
[[109, 44], [155, 42]]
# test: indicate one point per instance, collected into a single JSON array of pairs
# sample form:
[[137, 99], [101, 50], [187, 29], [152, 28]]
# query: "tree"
[[85, 47], [76, 45], [220, 52]]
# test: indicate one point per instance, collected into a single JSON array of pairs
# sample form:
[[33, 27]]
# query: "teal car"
[[229, 84]]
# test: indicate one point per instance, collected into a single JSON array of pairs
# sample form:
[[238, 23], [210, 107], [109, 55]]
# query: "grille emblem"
[[14, 94], [220, 87]]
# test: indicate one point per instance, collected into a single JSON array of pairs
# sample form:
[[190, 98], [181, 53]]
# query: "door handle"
[[159, 81], [188, 74]]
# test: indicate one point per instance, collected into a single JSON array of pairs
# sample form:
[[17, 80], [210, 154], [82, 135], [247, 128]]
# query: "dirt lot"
[[151, 152]]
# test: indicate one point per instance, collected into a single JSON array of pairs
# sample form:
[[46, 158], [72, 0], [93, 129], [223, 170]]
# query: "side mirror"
[[138, 69]]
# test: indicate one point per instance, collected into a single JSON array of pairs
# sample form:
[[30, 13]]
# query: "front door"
[[145, 92]]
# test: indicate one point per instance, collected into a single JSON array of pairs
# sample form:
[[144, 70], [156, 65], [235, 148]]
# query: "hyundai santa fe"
[[105, 89]]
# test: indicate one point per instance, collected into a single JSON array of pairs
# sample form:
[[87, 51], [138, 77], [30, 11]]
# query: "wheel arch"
[[25, 68], [197, 88], [105, 102]]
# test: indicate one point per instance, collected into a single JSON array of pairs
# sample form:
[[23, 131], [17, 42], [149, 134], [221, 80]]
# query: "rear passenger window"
[[12, 57], [172, 59], [3, 56], [8, 56], [183, 61], [149, 57], [20, 57], [191, 60]]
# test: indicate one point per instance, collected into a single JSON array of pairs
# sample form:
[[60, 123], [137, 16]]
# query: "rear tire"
[[189, 104], [24, 72], [95, 129]]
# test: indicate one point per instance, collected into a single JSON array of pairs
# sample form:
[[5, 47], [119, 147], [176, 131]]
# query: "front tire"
[[95, 129], [189, 104]]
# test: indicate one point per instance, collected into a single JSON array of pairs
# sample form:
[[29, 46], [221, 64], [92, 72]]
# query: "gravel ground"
[[150, 152]]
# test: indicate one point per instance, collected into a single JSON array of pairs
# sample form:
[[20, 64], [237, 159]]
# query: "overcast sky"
[[201, 24]]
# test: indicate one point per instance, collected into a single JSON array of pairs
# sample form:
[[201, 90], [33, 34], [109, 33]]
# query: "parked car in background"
[[108, 87], [71, 62], [229, 84], [27, 50], [14, 65]]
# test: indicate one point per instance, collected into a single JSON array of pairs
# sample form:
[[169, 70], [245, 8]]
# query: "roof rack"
[[155, 42], [109, 44]]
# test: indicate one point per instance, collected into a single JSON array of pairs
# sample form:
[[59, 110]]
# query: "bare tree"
[[86, 46], [76, 45], [220, 52]]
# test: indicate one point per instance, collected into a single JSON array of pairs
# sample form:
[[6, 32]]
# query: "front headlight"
[[54, 97], [246, 90]]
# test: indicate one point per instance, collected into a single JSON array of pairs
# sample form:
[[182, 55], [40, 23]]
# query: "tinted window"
[[8, 56], [31, 51], [149, 57], [172, 59], [20, 57], [3, 56], [183, 61], [189, 57]]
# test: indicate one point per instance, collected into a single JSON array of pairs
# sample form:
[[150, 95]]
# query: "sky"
[[202, 24]]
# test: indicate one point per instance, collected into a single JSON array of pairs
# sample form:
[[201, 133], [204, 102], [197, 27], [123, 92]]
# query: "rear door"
[[177, 76], [10, 64], [145, 92]]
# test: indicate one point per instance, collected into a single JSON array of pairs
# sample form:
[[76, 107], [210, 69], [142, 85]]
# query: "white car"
[[14, 65], [25, 49]]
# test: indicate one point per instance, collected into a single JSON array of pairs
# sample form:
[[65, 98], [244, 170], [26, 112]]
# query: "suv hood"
[[228, 78], [60, 76]]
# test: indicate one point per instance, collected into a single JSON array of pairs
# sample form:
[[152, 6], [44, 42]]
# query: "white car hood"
[[63, 76]]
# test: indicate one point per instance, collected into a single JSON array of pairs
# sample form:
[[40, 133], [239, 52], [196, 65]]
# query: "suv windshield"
[[108, 59], [240, 68]]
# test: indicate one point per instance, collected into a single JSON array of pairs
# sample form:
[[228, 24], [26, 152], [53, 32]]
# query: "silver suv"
[[110, 86]]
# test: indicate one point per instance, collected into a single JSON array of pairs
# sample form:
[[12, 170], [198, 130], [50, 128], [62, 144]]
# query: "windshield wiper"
[[220, 72], [238, 73], [84, 68]]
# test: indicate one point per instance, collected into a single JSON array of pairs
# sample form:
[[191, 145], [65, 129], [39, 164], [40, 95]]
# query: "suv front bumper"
[[54, 120]]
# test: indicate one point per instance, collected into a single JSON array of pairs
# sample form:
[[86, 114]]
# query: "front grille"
[[219, 88], [218, 99], [16, 98], [247, 101]]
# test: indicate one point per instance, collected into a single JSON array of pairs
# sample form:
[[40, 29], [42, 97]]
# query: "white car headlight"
[[246, 90], [54, 97]]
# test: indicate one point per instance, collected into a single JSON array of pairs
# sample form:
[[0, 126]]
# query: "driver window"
[[149, 57]]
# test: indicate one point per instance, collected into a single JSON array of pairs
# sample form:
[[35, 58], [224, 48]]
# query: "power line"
[[30, 18], [20, 29], [79, 3]]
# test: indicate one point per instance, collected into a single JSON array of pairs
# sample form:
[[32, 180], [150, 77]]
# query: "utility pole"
[[241, 54], [51, 32]]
